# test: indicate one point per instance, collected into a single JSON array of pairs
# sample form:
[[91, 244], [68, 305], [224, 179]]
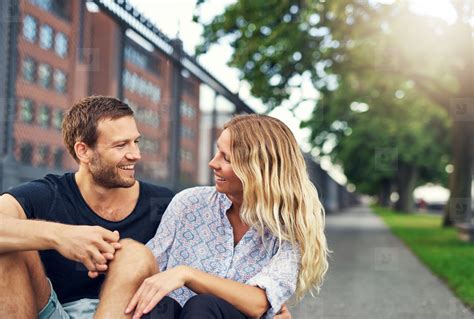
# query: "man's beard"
[[107, 175]]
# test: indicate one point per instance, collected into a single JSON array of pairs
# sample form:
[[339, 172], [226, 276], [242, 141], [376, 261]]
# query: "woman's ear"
[[83, 152]]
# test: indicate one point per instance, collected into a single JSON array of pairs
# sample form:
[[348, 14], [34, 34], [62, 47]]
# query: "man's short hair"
[[80, 123]]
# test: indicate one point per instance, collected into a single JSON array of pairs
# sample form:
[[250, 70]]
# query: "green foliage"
[[271, 44], [410, 128], [438, 248], [353, 51]]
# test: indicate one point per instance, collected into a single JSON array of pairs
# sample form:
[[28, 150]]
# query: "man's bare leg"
[[132, 264], [24, 289]]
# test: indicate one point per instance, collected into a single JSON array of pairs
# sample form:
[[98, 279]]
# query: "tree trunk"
[[458, 207], [383, 196], [406, 182]]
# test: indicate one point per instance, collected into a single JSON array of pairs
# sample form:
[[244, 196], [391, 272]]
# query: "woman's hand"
[[154, 288], [284, 313]]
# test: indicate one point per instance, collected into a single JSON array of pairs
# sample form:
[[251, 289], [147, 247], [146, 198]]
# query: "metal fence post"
[[175, 114], [121, 61], [9, 176], [213, 135]]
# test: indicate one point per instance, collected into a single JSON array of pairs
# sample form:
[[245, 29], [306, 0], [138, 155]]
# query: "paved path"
[[373, 275]]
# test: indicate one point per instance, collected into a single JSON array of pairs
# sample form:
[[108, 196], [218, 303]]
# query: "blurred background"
[[380, 94]]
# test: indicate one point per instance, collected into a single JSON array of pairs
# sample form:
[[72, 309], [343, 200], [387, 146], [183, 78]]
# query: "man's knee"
[[134, 256], [133, 250]]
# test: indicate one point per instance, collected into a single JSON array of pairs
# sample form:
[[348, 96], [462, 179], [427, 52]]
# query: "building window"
[[46, 37], [30, 26], [186, 156], [136, 84], [44, 116], [57, 119], [148, 117], [60, 8], [58, 158], [60, 81], [187, 110], [44, 75], [144, 115], [26, 111], [26, 153], [43, 155], [61, 44], [187, 132], [29, 69], [150, 146], [134, 56], [142, 59]]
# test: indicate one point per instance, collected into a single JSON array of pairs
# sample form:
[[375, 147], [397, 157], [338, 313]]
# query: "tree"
[[382, 143], [323, 41]]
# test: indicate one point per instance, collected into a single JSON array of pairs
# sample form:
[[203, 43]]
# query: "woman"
[[244, 247]]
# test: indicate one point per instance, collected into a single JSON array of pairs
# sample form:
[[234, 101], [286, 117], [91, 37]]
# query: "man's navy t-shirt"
[[57, 198]]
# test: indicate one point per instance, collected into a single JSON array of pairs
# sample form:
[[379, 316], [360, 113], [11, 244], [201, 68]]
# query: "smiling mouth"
[[219, 179], [127, 167]]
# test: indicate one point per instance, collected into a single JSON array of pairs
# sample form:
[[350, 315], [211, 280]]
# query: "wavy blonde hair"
[[278, 194]]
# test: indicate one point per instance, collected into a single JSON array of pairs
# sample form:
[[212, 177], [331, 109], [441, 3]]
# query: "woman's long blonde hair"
[[278, 194]]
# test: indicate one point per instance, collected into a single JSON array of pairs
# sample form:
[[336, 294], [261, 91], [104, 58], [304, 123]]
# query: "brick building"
[[66, 50], [45, 82]]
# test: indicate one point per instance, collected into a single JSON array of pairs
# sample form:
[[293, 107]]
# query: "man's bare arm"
[[90, 245]]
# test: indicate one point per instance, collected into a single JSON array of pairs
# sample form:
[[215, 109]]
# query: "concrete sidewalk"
[[373, 275]]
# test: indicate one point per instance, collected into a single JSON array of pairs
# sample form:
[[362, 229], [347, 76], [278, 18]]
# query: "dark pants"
[[198, 307]]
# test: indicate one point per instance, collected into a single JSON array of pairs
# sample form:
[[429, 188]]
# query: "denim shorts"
[[82, 308]]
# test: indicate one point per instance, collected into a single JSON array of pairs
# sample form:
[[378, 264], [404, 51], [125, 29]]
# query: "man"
[[73, 224]]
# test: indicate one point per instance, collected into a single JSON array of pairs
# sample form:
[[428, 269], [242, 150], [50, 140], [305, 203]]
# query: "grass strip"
[[438, 248]]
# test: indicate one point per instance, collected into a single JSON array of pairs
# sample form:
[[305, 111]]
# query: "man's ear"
[[83, 152]]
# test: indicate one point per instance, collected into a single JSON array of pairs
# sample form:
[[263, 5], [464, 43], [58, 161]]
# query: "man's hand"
[[284, 313], [92, 246]]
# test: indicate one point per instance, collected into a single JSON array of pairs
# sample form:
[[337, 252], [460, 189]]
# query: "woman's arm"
[[250, 300], [279, 277]]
